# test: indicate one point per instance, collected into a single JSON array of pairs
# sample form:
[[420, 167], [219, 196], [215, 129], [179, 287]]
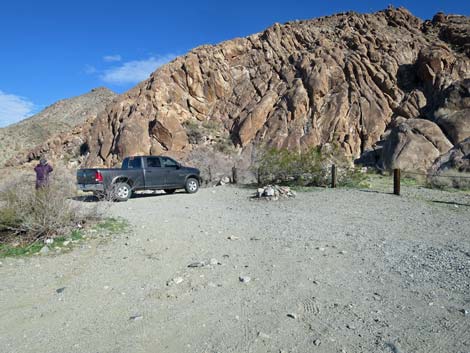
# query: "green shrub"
[[308, 168]]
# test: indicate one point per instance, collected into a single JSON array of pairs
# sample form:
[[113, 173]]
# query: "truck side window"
[[153, 162], [169, 163], [134, 163]]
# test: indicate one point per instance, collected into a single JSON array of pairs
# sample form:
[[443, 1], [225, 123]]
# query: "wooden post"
[[234, 175], [210, 175], [396, 181], [333, 176]]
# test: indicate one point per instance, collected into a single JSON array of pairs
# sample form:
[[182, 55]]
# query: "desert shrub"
[[308, 168], [28, 215], [193, 131], [449, 179]]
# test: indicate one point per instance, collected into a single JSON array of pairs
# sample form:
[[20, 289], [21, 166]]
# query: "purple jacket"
[[42, 174]]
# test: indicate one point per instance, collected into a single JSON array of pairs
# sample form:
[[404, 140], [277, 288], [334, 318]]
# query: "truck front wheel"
[[192, 185], [121, 192]]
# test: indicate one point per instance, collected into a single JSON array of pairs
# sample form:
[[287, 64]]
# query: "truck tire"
[[121, 192], [192, 185], [170, 191]]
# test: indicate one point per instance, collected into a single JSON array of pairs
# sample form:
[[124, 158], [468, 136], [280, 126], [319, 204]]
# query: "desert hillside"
[[55, 119]]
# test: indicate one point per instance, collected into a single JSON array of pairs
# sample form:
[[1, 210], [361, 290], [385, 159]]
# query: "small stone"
[[213, 262], [136, 317], [317, 342], [351, 327], [292, 316], [263, 335], [197, 264], [67, 242], [320, 248], [44, 250], [244, 279], [232, 237], [176, 280], [464, 311], [48, 241], [342, 252], [60, 290]]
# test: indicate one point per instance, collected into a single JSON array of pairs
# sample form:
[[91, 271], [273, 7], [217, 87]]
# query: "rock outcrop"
[[458, 159], [410, 141], [342, 79]]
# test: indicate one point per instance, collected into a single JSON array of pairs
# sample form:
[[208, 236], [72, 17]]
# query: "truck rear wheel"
[[121, 192], [192, 185]]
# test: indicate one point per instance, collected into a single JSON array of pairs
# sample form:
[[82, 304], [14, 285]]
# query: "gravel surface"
[[329, 271]]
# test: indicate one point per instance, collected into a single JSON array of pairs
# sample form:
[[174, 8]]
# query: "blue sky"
[[58, 49]]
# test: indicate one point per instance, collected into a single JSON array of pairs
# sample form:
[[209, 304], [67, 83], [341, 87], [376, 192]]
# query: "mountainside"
[[343, 79], [55, 119], [386, 87]]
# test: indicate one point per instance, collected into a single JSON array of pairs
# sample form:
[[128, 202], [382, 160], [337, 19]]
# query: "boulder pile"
[[274, 192]]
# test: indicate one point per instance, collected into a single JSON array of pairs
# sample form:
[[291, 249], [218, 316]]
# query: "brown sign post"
[[333, 176], [396, 181]]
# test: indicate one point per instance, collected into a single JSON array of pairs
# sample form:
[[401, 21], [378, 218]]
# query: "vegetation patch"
[[307, 168]]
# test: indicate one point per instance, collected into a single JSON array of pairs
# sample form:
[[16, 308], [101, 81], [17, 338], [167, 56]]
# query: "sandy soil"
[[330, 271]]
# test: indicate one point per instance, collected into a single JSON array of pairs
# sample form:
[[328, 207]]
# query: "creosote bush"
[[307, 168], [28, 215]]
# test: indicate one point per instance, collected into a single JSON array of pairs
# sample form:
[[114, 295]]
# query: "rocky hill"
[[386, 87], [58, 118]]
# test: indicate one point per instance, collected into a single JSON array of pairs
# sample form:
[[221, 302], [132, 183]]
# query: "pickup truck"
[[139, 173]]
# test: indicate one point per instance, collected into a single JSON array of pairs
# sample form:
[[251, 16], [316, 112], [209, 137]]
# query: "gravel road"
[[329, 271]]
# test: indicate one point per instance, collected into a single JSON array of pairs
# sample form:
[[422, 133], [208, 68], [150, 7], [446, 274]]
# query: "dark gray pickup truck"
[[139, 173]]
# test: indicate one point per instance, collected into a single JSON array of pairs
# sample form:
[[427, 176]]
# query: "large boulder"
[[414, 145], [453, 111], [458, 159]]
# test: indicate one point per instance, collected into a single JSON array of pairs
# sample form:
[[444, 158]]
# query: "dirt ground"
[[329, 271]]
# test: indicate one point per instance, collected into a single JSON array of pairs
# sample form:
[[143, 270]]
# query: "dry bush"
[[29, 214], [450, 179]]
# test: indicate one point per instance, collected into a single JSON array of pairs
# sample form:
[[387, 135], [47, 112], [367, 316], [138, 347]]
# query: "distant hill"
[[55, 119]]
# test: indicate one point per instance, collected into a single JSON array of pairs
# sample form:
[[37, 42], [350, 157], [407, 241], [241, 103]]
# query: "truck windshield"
[[132, 163]]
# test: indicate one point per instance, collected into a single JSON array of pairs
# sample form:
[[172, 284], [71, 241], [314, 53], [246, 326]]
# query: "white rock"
[[244, 279], [44, 250], [213, 261], [176, 280], [263, 335]]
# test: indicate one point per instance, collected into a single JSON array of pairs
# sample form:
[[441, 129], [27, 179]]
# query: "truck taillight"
[[98, 177]]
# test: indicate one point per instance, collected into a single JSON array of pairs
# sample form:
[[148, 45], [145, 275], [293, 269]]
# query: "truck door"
[[154, 173], [173, 175]]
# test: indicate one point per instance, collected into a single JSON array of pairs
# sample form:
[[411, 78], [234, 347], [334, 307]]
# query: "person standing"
[[43, 169]]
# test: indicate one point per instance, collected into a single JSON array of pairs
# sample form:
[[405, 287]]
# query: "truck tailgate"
[[86, 176]]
